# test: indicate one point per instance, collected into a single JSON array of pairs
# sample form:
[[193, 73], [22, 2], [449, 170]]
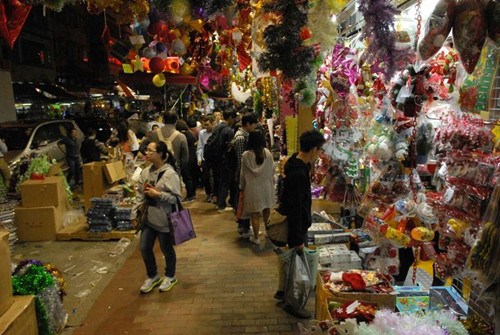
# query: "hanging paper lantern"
[[159, 80], [148, 52], [156, 65], [178, 47]]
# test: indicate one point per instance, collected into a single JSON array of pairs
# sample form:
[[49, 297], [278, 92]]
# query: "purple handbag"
[[181, 226]]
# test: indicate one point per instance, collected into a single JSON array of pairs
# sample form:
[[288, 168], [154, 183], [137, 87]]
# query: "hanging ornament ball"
[[160, 47], [158, 28], [178, 47], [156, 65], [159, 80], [148, 53]]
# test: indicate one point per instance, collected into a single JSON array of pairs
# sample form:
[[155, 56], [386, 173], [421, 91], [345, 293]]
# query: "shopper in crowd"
[[4, 168], [174, 137], [92, 149], [239, 144], [218, 115], [223, 177], [296, 200], [72, 153], [157, 121], [206, 168], [257, 181], [195, 169], [186, 169], [125, 138], [159, 186]]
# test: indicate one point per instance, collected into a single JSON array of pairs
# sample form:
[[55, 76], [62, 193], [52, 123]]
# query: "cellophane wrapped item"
[[469, 31], [437, 28]]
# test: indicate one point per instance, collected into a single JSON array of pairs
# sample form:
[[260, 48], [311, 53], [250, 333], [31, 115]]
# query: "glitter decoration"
[[32, 277]]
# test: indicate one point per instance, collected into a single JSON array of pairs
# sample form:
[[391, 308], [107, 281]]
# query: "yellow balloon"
[[159, 80]]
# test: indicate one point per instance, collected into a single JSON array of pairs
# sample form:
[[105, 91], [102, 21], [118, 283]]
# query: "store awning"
[[26, 92], [57, 92]]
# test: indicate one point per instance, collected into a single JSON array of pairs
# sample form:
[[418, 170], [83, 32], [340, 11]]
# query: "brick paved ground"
[[226, 286]]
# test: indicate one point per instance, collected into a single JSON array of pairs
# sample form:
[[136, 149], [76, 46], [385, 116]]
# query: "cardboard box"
[[114, 172], [20, 318], [330, 207], [42, 193], [381, 299], [94, 183], [6, 298], [38, 223]]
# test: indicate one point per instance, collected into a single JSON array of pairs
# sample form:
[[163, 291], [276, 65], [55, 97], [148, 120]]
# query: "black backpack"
[[214, 148]]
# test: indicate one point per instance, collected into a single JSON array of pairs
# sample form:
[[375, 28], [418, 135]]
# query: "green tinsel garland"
[[285, 49], [33, 281]]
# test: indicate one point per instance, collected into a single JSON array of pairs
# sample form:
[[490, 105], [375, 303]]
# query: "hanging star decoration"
[[137, 64]]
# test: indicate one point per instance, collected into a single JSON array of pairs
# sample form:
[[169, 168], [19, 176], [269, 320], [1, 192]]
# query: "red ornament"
[[13, 14], [156, 65], [305, 33]]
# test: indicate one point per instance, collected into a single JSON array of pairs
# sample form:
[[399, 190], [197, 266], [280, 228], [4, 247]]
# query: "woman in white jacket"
[[159, 186], [257, 181]]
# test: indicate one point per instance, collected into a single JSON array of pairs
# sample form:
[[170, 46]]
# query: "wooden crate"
[[78, 230]]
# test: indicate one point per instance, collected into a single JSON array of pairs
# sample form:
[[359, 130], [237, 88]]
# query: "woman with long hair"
[[160, 187], [257, 181]]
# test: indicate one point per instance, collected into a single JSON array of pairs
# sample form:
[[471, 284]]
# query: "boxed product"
[[333, 253], [20, 318], [411, 299], [38, 223], [6, 298], [114, 171], [321, 239], [42, 193], [446, 297]]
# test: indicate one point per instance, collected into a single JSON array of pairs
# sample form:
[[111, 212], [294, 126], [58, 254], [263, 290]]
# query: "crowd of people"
[[228, 155]]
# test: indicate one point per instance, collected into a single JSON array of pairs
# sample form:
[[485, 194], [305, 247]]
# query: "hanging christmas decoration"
[[13, 14], [379, 31], [285, 49]]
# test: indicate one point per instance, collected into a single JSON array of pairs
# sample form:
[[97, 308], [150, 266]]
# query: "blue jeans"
[[74, 166], [148, 237]]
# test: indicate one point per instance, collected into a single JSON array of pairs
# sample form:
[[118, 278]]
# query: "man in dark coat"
[[296, 199]]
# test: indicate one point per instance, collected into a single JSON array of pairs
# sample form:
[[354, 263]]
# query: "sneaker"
[[214, 200], [279, 295], [150, 284], [297, 312], [254, 240], [208, 198], [225, 209], [247, 234], [167, 284], [189, 199]]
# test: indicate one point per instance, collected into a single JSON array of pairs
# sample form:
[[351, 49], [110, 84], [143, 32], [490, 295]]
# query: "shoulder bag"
[[277, 228]]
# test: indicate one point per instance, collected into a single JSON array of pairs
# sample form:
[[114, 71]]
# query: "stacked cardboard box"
[[98, 177], [6, 298], [44, 203], [20, 318]]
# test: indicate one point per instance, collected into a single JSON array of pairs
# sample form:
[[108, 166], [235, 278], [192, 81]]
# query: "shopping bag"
[[298, 281], [142, 216], [277, 228], [181, 226], [284, 258], [241, 205]]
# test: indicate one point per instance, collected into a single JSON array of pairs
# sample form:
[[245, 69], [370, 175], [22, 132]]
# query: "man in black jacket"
[[296, 199]]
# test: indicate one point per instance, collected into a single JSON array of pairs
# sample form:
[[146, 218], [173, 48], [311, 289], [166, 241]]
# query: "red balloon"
[[159, 28], [156, 65]]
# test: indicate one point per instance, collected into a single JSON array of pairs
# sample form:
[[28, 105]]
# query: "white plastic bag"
[[298, 280]]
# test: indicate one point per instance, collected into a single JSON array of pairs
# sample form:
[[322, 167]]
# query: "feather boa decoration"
[[379, 31], [324, 31], [431, 323]]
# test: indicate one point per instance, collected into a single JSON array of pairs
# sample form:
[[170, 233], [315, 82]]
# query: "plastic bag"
[[298, 280], [437, 28], [469, 32]]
